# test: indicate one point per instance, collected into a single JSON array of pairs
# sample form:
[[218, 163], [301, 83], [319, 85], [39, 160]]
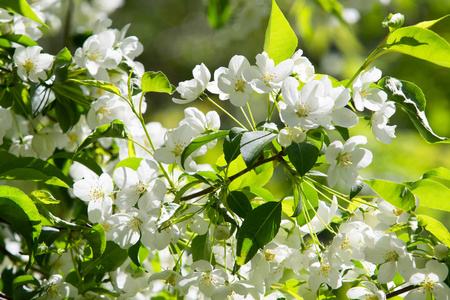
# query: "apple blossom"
[[31, 64]]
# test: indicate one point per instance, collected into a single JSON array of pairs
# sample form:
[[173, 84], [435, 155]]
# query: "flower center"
[[390, 255], [303, 110], [345, 243], [344, 160], [171, 280], [94, 55], [325, 271], [239, 85], [428, 285], [53, 291], [29, 65], [207, 279], [397, 211], [141, 188], [179, 148], [269, 256], [96, 194], [268, 76], [103, 110], [134, 223]]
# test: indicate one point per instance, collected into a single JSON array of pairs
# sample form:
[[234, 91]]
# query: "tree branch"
[[401, 291]]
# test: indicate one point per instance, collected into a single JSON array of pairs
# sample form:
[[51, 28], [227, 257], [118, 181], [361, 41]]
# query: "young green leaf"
[[253, 144], [200, 141], [396, 194], [103, 85], [431, 194], [20, 39], [280, 40], [20, 7], [440, 172], [44, 197], [129, 162], [258, 192], [156, 82], [259, 228], [421, 43], [239, 203], [428, 24], [436, 228], [410, 98], [116, 129], [18, 209], [303, 156]]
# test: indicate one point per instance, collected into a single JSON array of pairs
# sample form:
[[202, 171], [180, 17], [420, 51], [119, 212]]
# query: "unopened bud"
[[440, 251], [394, 21], [222, 233]]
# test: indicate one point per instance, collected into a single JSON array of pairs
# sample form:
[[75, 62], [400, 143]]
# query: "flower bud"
[[222, 233], [394, 21], [440, 251], [284, 138]]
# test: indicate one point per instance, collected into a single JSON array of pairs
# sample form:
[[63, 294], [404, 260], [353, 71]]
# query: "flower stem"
[[222, 109]]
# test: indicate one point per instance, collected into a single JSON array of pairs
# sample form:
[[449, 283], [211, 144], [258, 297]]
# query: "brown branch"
[[231, 178], [401, 291]]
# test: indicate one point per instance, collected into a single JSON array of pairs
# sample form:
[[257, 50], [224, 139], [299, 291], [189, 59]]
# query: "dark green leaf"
[[280, 41], [18, 209], [396, 194], [201, 248], [63, 60], [67, 112], [239, 203], [421, 43], [253, 144], [112, 258], [20, 39], [103, 85], [156, 82], [218, 12], [116, 129], [72, 91], [97, 240], [303, 156], [343, 132], [259, 228], [133, 253], [431, 194], [356, 189], [200, 141], [20, 7], [41, 96], [411, 100], [82, 158], [34, 169], [231, 144], [24, 280]]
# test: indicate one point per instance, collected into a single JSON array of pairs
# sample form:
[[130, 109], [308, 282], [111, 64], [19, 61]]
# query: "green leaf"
[[428, 24], [201, 248], [421, 43], [33, 169], [138, 253], [431, 194], [129, 162], [20, 39], [303, 156], [112, 258], [156, 82], [18, 209], [239, 203], [259, 228], [396, 194], [72, 91], [67, 112], [103, 85], [259, 192], [411, 100], [82, 158], [436, 228], [44, 197], [253, 144], [231, 144], [200, 141], [116, 129], [41, 96], [280, 40], [440, 172], [333, 7], [97, 240], [25, 279], [20, 7]]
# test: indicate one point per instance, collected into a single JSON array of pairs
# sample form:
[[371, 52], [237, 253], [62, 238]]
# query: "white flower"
[[201, 123], [288, 135], [307, 108], [266, 76], [303, 69], [231, 82], [390, 214], [324, 272], [363, 95], [345, 160], [430, 281], [379, 120], [141, 185], [205, 277], [126, 227], [390, 253], [31, 64], [98, 54], [440, 251], [192, 89], [368, 291], [106, 109], [58, 288], [96, 191], [322, 218], [6, 121]]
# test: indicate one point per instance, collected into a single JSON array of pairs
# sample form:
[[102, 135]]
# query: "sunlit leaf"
[[280, 40], [431, 194], [428, 24], [396, 194], [421, 43], [116, 129], [103, 85], [20, 39], [200, 141], [129, 162], [20, 7], [436, 228], [156, 82]]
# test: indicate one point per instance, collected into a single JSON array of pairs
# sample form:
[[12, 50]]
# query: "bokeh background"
[[335, 35]]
